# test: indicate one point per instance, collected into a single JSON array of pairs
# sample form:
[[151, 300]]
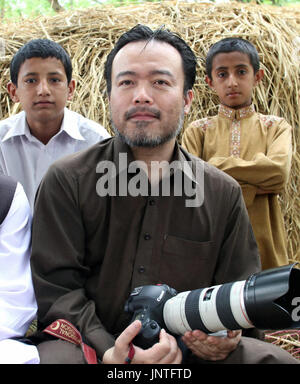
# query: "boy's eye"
[[242, 71], [55, 80], [221, 74], [30, 81]]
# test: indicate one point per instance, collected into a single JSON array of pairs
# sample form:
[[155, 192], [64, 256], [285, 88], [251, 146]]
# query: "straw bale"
[[89, 35], [288, 340]]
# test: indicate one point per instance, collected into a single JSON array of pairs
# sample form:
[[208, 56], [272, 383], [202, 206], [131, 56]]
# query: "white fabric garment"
[[26, 159], [17, 300]]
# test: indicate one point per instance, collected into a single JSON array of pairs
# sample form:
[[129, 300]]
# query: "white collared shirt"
[[26, 159], [17, 300]]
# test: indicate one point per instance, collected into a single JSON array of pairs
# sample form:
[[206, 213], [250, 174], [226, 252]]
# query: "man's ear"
[[258, 76], [188, 98], [12, 90], [71, 89]]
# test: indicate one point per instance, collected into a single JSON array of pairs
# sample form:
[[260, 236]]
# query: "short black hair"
[[42, 48], [143, 33], [232, 44]]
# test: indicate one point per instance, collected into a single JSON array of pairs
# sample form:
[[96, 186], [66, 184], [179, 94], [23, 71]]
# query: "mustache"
[[153, 111]]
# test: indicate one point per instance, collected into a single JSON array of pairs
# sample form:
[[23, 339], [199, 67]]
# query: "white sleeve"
[[17, 300]]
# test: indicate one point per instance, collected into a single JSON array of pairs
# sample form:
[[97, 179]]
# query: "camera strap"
[[64, 330]]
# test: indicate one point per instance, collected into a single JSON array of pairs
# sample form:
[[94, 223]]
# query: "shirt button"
[[141, 269], [152, 202], [147, 236]]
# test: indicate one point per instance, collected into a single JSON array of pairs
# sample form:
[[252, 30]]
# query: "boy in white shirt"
[[41, 81]]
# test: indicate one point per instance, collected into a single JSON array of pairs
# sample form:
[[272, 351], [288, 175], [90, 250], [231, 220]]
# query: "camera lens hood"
[[268, 297]]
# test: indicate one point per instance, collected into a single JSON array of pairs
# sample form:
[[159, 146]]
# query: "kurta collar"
[[178, 162], [236, 114]]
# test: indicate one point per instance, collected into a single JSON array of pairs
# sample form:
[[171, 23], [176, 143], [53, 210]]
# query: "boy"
[[41, 80], [252, 148]]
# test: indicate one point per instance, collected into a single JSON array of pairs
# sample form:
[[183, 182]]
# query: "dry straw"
[[89, 35]]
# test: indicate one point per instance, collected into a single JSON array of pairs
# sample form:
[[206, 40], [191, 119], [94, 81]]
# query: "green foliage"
[[14, 9]]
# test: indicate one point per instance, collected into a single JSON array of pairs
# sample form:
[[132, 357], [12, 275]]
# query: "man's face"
[[146, 101], [43, 89], [233, 79]]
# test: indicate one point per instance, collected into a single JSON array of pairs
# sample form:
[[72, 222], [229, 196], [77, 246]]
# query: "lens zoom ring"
[[192, 312], [224, 308]]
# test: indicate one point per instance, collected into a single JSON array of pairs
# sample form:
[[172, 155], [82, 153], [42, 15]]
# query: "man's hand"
[[211, 347], [166, 351]]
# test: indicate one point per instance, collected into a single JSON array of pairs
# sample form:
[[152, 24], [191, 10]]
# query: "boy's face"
[[233, 79], [42, 90]]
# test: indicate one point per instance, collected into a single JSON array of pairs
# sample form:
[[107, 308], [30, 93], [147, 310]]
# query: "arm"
[[193, 137], [58, 260], [17, 300], [267, 172], [238, 259]]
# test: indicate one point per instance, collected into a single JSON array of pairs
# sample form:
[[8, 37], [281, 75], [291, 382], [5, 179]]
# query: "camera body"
[[147, 303]]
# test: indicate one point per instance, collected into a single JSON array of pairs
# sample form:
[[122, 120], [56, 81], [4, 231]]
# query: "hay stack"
[[89, 35]]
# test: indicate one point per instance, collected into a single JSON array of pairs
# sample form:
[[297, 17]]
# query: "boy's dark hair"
[[232, 44], [144, 33], [42, 48]]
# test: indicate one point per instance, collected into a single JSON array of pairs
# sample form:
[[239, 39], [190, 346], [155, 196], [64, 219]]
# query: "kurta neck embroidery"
[[235, 138], [235, 115]]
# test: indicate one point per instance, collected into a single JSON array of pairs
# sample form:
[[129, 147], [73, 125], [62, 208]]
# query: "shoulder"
[[13, 198], [84, 161], [88, 128], [10, 123], [202, 124], [270, 120]]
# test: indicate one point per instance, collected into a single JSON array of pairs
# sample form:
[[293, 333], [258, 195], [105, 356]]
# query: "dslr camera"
[[264, 300]]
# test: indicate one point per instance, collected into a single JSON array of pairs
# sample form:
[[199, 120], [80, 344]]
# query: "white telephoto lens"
[[208, 309], [237, 304], [174, 314]]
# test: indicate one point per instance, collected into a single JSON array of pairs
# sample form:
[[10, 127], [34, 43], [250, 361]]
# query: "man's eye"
[[126, 82], [221, 74], [161, 82], [55, 80], [30, 81]]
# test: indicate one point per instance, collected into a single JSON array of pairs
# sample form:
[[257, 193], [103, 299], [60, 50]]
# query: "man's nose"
[[43, 88], [142, 95]]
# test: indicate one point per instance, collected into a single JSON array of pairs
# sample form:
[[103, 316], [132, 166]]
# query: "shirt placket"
[[143, 268], [235, 138]]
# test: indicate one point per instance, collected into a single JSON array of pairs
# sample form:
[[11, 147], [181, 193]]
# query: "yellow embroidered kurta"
[[256, 150]]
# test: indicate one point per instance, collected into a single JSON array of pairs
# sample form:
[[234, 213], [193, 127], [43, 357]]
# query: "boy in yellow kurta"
[[254, 149]]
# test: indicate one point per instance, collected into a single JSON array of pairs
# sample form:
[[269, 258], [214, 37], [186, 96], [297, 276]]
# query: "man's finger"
[[129, 333]]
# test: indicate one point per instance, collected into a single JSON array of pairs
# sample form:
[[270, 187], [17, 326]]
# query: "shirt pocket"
[[186, 264]]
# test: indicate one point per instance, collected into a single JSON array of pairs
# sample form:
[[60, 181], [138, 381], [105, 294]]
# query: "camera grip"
[[148, 335]]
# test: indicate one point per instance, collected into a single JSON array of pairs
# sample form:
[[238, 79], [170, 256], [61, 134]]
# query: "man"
[[98, 232], [17, 301], [41, 81]]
